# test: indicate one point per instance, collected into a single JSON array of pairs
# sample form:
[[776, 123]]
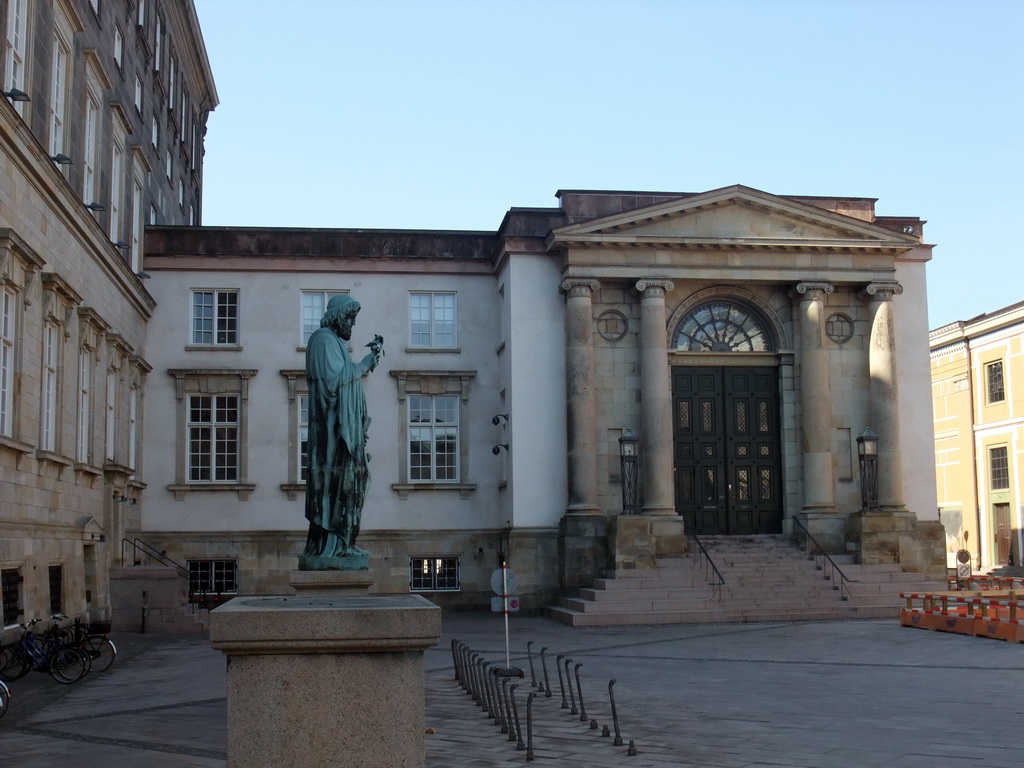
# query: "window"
[[95, 5], [56, 588], [58, 96], [138, 93], [167, 164], [133, 428], [141, 18], [213, 427], [171, 83], [314, 304], [213, 576], [998, 468], [434, 574], [10, 584], [212, 414], [118, 48], [111, 426], [116, 186], [17, 31], [92, 113], [138, 222], [721, 326], [48, 416], [154, 132], [215, 318], [432, 320], [83, 453], [302, 438], [994, 382], [433, 438], [7, 359], [157, 43]]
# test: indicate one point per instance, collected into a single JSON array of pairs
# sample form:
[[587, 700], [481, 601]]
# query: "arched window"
[[722, 326]]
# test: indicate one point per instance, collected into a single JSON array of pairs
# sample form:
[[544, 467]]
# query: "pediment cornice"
[[768, 222]]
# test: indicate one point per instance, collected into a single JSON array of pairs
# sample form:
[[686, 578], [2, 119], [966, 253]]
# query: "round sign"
[[510, 581]]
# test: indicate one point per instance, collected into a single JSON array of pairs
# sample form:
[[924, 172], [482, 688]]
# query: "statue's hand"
[[369, 362]]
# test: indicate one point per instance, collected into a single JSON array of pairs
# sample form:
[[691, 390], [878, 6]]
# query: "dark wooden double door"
[[728, 477]]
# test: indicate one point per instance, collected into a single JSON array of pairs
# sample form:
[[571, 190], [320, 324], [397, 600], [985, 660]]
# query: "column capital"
[[881, 291], [654, 288], [575, 287], [815, 291]]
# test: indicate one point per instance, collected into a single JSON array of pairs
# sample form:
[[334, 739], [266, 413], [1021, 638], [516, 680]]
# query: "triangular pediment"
[[735, 216]]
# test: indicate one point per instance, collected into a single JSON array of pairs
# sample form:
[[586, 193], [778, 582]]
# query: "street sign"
[[496, 607], [510, 581]]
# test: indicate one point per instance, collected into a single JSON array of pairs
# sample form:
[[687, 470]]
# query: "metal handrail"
[[150, 551], [821, 557], [709, 565]]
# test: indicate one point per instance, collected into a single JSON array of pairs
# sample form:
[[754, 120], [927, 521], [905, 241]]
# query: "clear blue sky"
[[443, 114]]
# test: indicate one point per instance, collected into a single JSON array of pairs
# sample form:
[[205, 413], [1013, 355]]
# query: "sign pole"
[[504, 605]]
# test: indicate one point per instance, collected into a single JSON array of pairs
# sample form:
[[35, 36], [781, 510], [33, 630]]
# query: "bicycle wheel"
[[14, 664], [69, 665], [5, 699], [101, 650]]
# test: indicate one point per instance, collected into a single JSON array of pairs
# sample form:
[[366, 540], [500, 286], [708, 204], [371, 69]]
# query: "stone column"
[[582, 409], [815, 399], [885, 415], [655, 401]]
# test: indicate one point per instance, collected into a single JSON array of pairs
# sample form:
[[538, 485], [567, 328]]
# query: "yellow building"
[[978, 394]]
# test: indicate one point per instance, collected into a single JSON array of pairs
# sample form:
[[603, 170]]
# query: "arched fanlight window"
[[721, 326]]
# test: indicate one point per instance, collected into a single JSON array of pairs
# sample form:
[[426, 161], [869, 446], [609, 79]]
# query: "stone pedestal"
[[637, 541], [330, 583], [325, 681], [582, 550]]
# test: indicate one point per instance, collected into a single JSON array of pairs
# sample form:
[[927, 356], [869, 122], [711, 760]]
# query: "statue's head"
[[341, 315]]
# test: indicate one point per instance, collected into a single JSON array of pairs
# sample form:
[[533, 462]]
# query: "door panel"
[[727, 460]]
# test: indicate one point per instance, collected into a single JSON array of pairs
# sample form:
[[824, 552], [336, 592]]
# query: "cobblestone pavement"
[[853, 694]]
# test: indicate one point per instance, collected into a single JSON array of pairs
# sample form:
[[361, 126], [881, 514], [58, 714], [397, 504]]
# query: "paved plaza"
[[850, 694]]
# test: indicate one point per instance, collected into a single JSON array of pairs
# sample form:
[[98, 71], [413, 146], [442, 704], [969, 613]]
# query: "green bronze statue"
[[337, 476]]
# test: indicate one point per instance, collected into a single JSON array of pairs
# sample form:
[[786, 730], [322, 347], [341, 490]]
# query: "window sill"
[[449, 350], [293, 490], [16, 445], [88, 469], [213, 347], [404, 488], [242, 489]]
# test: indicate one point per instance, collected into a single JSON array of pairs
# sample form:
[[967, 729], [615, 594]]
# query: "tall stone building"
[[102, 120], [747, 339], [978, 394]]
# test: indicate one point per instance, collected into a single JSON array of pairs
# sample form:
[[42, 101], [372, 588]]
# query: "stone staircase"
[[767, 578]]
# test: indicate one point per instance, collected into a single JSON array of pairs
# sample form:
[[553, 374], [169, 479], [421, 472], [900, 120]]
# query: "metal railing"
[[822, 561], [148, 550], [704, 559]]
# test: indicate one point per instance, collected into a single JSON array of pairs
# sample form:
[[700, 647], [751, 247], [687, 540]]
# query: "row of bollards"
[[488, 685]]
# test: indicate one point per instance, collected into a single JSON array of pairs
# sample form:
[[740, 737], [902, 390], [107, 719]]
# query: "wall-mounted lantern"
[[867, 455], [629, 460]]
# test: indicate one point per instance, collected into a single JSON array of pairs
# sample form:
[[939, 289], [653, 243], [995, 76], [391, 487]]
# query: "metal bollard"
[[500, 719], [558, 666], [529, 655], [529, 725], [632, 749], [486, 677], [572, 696], [515, 715], [455, 660], [615, 715], [547, 682], [473, 690], [510, 726], [579, 690]]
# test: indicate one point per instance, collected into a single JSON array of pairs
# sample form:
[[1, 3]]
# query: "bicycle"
[[100, 648], [65, 665], [5, 698]]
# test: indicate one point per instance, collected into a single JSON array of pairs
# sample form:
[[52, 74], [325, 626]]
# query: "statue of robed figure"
[[337, 473]]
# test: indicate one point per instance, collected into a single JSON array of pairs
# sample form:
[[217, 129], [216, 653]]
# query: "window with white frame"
[[171, 84], [117, 167], [215, 317], [158, 44], [218, 576], [92, 115], [118, 48], [48, 412], [133, 428], [168, 166], [16, 48], [213, 446], [995, 389], [138, 222], [434, 574], [154, 132], [302, 438], [432, 320], [433, 438], [140, 18], [58, 94], [314, 304], [84, 453], [110, 448], [7, 360], [138, 93]]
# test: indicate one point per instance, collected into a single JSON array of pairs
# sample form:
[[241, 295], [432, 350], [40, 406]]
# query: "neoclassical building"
[[747, 339], [102, 118]]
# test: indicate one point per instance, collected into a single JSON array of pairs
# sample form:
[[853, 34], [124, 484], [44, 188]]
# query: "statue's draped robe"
[[337, 475]]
